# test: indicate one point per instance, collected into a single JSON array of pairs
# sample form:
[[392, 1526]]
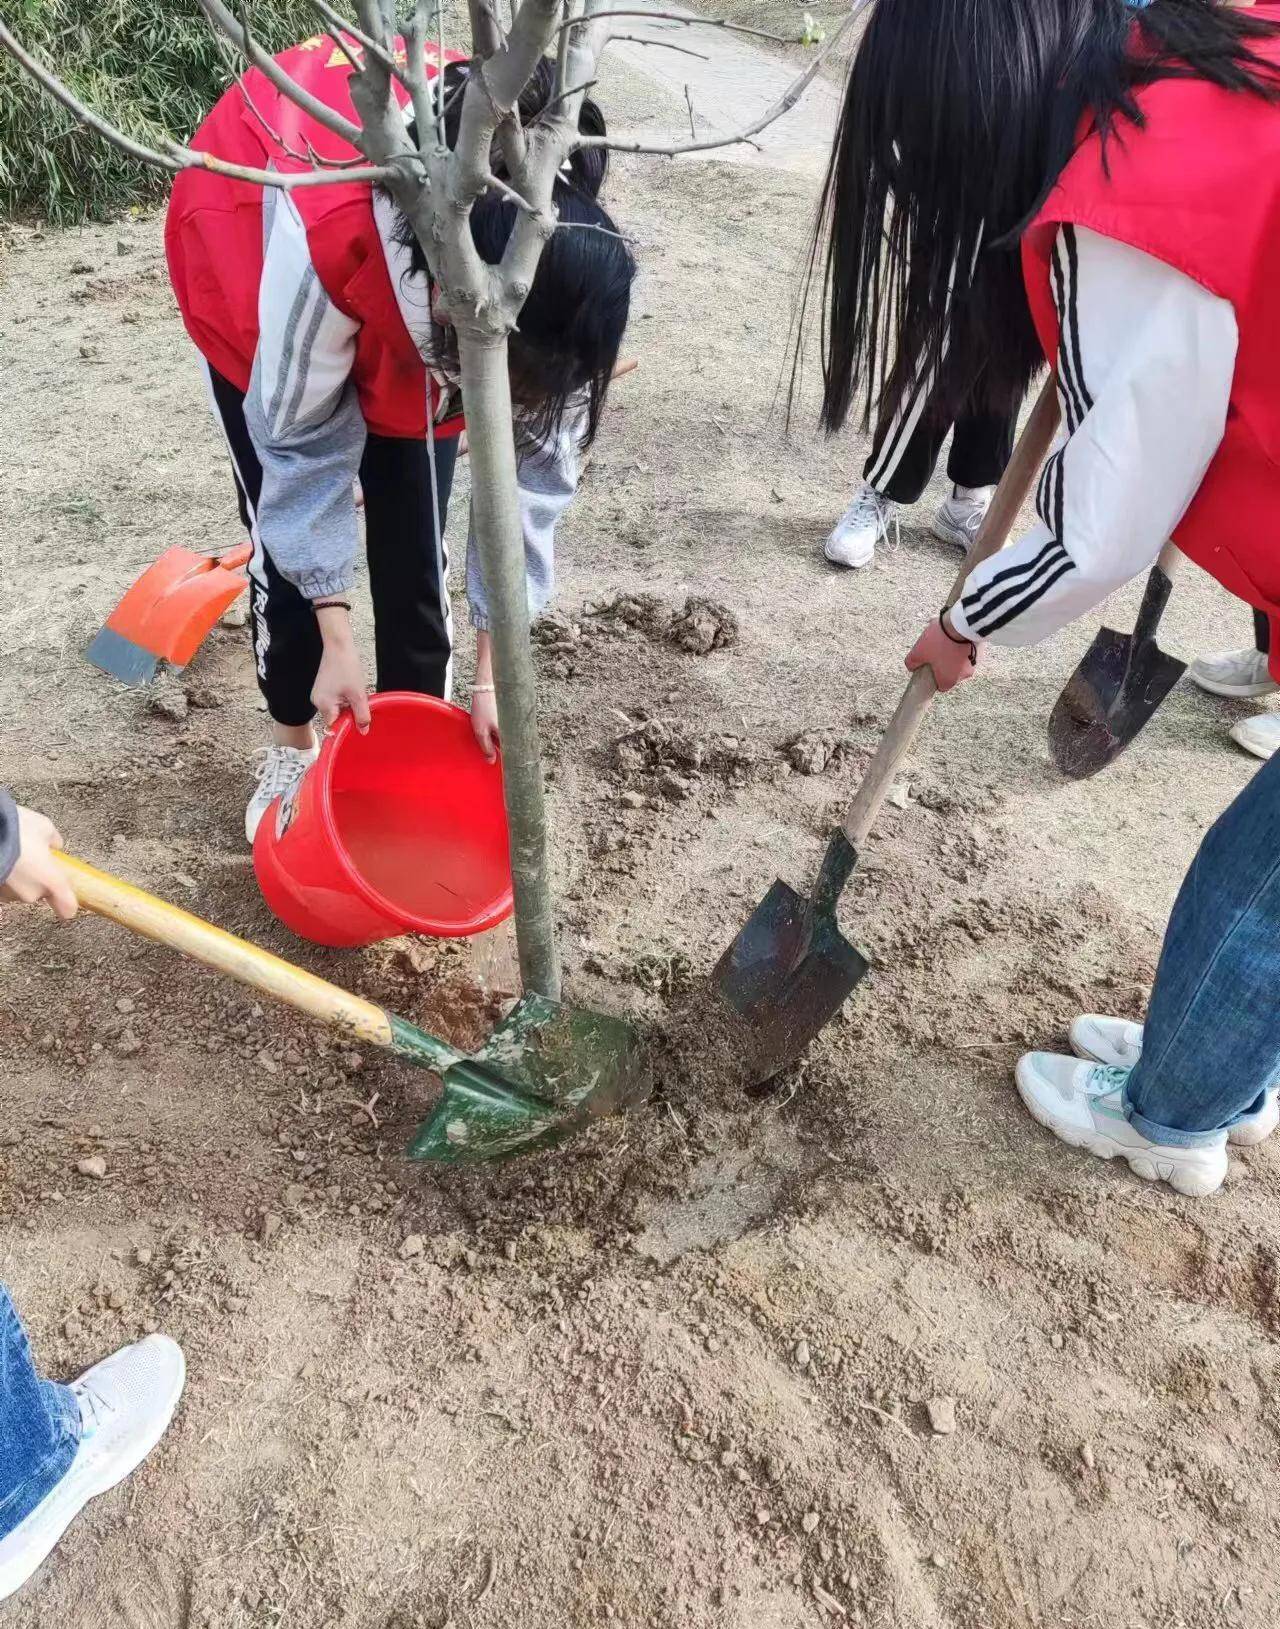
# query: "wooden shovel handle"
[[1015, 484], [156, 919]]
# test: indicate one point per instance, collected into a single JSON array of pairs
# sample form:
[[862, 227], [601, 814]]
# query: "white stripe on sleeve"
[[1145, 364]]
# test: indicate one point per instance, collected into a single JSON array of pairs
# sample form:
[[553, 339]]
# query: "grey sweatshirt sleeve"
[[304, 417], [8, 834], [547, 478]]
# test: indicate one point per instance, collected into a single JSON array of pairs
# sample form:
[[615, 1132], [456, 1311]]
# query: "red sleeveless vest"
[[1199, 188], [214, 240]]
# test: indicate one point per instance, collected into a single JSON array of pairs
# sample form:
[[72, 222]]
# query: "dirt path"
[[679, 1375]]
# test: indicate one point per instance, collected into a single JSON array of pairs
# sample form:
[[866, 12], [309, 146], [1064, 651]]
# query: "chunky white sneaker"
[[126, 1403], [1242, 673], [1117, 1043], [1081, 1105], [1259, 735], [854, 538], [959, 516], [279, 772]]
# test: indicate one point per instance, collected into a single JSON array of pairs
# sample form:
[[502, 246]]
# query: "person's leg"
[[39, 1424], [286, 637], [981, 448], [901, 463], [1241, 674], [1211, 1046], [61, 1446], [904, 456], [408, 567]]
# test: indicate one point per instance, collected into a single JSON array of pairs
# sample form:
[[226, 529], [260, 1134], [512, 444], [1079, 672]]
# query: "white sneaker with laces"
[[279, 772], [1241, 673], [1117, 1043], [126, 1404], [1081, 1104], [960, 515], [855, 535], [1259, 735]]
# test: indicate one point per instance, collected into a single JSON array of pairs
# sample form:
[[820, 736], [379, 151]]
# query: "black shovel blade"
[[790, 969], [1120, 683]]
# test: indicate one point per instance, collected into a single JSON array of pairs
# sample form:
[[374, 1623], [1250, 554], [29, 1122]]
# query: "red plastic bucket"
[[402, 830]]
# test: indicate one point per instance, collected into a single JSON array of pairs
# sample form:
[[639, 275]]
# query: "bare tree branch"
[[227, 23], [794, 91], [426, 107], [666, 45], [175, 157], [494, 184], [487, 33], [339, 24], [689, 20]]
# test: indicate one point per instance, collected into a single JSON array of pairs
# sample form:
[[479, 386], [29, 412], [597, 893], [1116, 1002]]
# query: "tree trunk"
[[486, 394]]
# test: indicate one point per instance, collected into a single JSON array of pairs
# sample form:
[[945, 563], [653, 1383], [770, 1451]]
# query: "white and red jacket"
[[306, 301], [1154, 289]]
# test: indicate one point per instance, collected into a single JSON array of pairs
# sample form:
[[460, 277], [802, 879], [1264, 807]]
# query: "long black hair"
[[570, 329], [958, 117]]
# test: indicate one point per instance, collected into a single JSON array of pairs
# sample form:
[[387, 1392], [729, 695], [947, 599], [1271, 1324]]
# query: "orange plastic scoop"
[[168, 613]]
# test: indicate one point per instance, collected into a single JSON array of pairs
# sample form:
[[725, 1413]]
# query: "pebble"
[[942, 1415], [809, 1521], [124, 1004], [271, 1225], [1087, 1456], [414, 1245], [802, 1355], [142, 1256], [95, 1166], [937, 1559], [128, 1044], [293, 1195], [1056, 1341]]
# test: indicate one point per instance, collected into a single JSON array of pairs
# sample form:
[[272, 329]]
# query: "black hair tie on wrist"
[[331, 605], [956, 639]]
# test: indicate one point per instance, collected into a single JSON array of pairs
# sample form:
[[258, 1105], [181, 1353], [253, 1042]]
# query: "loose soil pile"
[[872, 1351]]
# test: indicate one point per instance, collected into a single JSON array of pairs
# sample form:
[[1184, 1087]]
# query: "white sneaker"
[[960, 516], [126, 1403], [859, 529], [1259, 735], [1117, 1043], [279, 772], [1081, 1104], [1242, 673]]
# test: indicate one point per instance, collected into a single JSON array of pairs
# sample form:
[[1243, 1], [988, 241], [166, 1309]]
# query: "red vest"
[[213, 240], [1199, 188]]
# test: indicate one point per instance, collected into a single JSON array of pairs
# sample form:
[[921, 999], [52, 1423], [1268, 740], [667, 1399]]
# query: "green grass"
[[149, 66]]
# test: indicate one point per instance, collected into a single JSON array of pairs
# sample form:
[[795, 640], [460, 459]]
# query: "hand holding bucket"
[[398, 830]]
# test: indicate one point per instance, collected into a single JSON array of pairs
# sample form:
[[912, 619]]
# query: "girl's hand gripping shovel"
[[790, 969]]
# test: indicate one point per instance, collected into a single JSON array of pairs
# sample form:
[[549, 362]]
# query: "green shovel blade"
[[543, 1074]]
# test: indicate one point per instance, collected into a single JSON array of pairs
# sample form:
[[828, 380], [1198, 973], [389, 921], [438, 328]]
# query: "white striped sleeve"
[[303, 415], [1145, 363]]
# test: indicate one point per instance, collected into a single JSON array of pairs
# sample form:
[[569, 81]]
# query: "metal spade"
[[1119, 684]]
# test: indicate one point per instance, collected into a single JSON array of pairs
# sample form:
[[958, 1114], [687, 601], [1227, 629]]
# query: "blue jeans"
[[1212, 1044], [39, 1424]]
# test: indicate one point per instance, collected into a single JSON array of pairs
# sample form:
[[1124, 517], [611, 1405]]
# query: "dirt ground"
[[679, 1374]]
